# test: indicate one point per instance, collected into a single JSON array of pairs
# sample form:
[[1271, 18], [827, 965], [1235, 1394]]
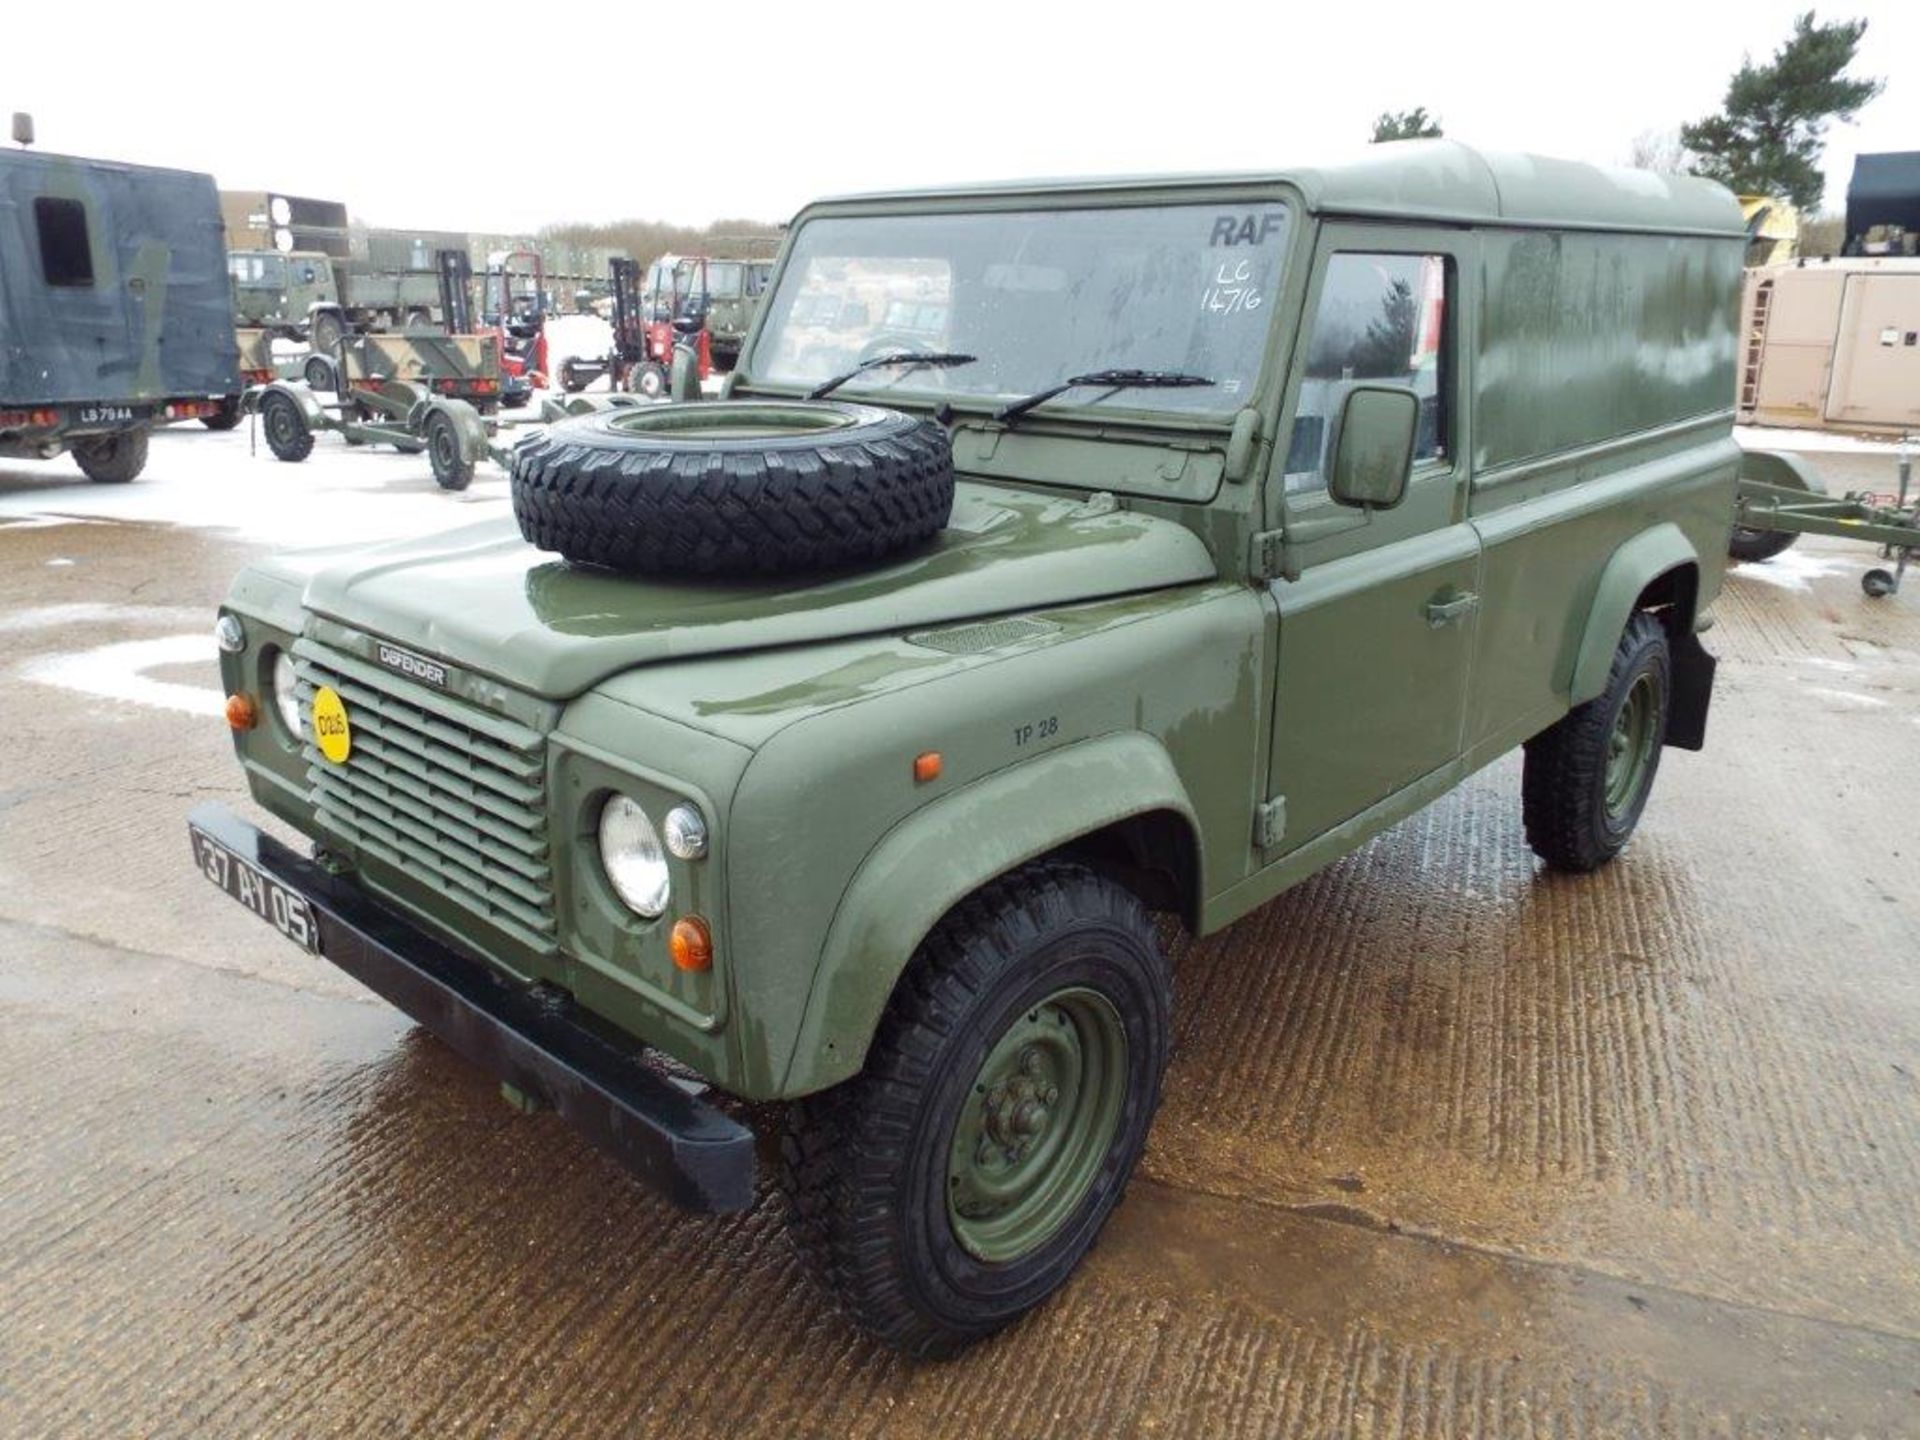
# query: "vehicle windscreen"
[[725, 279], [1036, 296]]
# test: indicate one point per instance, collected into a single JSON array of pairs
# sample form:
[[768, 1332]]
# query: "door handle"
[[1453, 607]]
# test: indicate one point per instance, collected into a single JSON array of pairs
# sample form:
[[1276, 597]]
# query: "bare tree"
[[1660, 151]]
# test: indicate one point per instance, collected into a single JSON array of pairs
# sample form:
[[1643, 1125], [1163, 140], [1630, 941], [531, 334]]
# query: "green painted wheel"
[[1046, 1106], [1632, 745]]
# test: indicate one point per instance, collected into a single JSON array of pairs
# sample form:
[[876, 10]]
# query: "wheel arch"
[[1116, 802], [1658, 570], [302, 397]]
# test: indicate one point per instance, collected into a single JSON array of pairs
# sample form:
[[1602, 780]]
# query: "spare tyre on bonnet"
[[734, 487]]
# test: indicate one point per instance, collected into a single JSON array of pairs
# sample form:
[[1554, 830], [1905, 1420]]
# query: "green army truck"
[[114, 312], [835, 742]]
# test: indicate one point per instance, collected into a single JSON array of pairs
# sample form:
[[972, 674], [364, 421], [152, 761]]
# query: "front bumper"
[[676, 1142]]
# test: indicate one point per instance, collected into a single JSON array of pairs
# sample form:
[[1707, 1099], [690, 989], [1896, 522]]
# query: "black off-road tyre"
[[451, 469], [318, 371], [324, 335], [226, 418], [865, 1167], [287, 433], [1753, 546], [1572, 821], [112, 459], [734, 488]]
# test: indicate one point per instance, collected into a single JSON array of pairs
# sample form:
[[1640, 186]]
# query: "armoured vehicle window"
[[725, 281], [66, 255], [1380, 318], [1037, 295]]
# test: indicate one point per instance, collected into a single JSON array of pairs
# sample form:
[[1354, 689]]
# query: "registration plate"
[[107, 414], [286, 911]]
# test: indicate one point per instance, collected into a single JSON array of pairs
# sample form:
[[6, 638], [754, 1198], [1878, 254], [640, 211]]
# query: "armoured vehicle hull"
[[114, 308]]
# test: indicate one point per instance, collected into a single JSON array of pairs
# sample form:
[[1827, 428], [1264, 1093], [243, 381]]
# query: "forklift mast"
[[629, 320], [456, 291]]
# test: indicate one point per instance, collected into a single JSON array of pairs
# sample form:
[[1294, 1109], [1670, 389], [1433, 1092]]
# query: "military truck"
[[114, 311], [836, 741], [316, 297]]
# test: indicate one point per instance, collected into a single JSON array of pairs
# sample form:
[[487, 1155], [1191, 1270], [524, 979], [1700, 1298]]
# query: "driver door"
[[1377, 625]]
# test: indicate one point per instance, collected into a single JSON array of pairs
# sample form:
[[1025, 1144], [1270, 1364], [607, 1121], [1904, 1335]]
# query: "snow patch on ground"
[[115, 672], [1790, 570]]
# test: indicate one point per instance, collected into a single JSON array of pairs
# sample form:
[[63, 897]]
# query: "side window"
[[66, 255], [1381, 318]]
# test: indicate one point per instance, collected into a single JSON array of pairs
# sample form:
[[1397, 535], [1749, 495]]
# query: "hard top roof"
[[1436, 180]]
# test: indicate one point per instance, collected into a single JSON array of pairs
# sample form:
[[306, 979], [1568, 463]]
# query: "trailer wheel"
[[451, 469], [1878, 584], [419, 320], [112, 459], [289, 436], [734, 487], [318, 372], [1752, 546]]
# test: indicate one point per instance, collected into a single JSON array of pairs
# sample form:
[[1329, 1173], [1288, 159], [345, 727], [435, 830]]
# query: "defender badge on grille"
[[414, 667]]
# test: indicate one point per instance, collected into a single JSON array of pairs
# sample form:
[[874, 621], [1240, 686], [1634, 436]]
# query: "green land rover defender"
[[1058, 555]]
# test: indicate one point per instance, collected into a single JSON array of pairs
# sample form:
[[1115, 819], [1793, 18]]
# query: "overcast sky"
[[475, 118]]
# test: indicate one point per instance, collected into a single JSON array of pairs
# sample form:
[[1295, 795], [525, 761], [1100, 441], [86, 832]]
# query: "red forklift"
[[647, 325], [519, 317]]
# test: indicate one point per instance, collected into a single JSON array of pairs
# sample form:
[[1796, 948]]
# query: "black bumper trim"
[[680, 1144]]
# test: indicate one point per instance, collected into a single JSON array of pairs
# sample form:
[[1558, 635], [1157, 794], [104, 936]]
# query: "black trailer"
[[115, 312]]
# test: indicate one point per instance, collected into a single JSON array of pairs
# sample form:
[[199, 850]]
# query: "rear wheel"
[[649, 378], [226, 417], [1587, 778], [112, 459], [959, 1179], [289, 436], [419, 320]]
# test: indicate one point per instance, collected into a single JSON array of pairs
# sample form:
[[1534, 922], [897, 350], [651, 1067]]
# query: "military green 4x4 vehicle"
[[833, 742]]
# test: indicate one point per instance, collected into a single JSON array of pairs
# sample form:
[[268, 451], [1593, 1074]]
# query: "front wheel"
[[1586, 779], [958, 1180]]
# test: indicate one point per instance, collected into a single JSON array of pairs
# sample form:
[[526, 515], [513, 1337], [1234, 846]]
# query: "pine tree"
[[1771, 131], [1414, 124]]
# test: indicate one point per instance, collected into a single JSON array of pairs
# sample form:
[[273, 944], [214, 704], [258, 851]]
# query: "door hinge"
[[1270, 823], [1267, 558]]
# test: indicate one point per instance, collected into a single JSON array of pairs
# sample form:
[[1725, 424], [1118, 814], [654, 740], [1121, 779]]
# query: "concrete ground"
[[1449, 1145]]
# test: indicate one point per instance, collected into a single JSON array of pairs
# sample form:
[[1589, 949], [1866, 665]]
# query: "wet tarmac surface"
[[1449, 1146]]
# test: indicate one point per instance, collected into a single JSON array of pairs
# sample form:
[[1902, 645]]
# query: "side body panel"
[[1603, 389]]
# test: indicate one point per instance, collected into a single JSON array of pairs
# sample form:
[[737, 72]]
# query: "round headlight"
[[230, 635], [686, 832], [630, 850], [286, 693]]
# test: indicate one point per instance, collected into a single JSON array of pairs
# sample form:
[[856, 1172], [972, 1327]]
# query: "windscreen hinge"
[[1268, 552]]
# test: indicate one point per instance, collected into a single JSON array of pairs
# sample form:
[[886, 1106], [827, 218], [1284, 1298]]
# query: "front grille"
[[448, 795]]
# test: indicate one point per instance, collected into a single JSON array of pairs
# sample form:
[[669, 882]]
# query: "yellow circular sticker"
[[330, 729]]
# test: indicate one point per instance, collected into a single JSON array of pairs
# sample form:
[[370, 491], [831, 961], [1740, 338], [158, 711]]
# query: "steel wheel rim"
[[1630, 746], [1036, 1125], [280, 422], [444, 454]]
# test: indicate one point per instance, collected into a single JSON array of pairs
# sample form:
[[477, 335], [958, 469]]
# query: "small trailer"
[[1780, 499], [436, 394]]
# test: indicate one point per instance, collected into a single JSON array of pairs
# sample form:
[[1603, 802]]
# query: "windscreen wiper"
[[939, 359], [1110, 379]]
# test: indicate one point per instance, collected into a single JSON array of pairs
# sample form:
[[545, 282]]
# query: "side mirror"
[[683, 379], [1373, 448]]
